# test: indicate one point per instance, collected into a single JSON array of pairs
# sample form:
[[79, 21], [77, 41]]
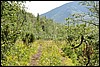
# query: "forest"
[[27, 40]]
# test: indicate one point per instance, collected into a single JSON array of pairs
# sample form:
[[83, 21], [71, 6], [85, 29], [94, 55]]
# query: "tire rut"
[[36, 57]]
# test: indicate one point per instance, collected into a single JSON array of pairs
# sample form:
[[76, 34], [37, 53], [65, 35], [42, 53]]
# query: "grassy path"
[[41, 53], [36, 57], [49, 54]]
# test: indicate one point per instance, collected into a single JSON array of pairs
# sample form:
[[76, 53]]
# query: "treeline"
[[17, 23]]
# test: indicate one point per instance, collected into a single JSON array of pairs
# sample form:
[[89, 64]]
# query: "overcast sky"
[[43, 6]]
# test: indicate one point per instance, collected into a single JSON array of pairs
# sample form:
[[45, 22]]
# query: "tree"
[[12, 18], [93, 7], [92, 19]]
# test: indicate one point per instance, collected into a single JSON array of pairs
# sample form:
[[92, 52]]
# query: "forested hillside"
[[59, 14], [27, 40]]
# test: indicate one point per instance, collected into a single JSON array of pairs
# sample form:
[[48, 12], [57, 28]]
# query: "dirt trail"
[[36, 57]]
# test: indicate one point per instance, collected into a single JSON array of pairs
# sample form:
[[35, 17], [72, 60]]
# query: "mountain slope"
[[60, 13]]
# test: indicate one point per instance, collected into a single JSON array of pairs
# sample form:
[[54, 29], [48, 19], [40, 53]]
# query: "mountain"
[[60, 13]]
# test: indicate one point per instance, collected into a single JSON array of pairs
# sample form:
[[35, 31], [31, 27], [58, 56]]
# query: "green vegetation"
[[70, 44]]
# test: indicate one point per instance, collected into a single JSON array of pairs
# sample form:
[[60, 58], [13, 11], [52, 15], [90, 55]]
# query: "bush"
[[28, 38], [71, 54]]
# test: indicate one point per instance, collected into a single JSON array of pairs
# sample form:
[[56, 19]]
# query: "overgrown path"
[[36, 57], [49, 53]]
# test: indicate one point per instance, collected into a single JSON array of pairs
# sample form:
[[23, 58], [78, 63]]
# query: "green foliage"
[[71, 54], [87, 29], [19, 54], [17, 24], [10, 25], [28, 38]]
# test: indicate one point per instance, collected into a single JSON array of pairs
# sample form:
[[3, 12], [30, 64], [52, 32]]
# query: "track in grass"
[[48, 54]]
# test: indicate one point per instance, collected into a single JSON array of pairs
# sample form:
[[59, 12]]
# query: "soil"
[[36, 57]]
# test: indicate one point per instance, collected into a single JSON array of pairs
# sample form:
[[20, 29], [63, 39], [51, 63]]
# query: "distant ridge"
[[60, 13]]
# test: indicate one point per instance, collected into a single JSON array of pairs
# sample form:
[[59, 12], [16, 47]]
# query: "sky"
[[41, 7]]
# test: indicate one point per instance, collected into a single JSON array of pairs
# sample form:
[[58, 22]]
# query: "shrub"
[[28, 38]]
